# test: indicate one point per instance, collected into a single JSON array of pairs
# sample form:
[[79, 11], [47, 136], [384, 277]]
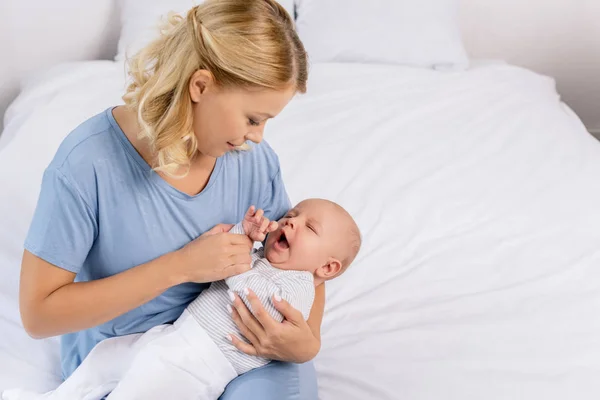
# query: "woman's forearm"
[[316, 313], [75, 306]]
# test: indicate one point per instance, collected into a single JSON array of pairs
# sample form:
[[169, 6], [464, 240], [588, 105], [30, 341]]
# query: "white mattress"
[[478, 195]]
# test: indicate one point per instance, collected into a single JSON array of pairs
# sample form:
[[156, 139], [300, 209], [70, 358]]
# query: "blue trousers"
[[275, 381]]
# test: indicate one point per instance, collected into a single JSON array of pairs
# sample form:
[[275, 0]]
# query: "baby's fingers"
[[258, 217], [250, 212], [272, 227], [264, 225]]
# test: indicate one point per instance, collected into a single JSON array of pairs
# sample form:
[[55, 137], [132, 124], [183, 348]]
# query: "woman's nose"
[[255, 137]]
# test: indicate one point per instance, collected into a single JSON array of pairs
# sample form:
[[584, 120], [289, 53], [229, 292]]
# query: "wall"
[[76, 30], [560, 38]]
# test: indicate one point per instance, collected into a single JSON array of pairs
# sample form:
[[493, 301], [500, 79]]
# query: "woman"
[[121, 239]]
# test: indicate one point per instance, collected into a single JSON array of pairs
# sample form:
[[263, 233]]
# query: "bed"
[[477, 192]]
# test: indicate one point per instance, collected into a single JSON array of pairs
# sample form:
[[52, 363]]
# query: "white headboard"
[[43, 33], [560, 38]]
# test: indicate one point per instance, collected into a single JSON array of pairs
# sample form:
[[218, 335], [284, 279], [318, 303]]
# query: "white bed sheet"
[[478, 196]]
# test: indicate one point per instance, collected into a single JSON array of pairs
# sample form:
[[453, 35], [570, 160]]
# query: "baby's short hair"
[[353, 236]]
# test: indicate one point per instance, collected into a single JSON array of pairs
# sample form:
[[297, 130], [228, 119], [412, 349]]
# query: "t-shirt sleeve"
[[64, 226], [276, 202]]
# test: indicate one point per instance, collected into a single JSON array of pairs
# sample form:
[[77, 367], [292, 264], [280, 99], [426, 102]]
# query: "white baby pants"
[[178, 361]]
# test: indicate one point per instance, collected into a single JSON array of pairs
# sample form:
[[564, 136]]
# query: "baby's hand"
[[256, 225]]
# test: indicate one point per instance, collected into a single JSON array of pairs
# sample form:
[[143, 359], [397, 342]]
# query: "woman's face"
[[226, 118]]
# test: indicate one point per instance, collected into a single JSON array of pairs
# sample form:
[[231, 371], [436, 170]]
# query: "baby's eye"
[[253, 122], [311, 228]]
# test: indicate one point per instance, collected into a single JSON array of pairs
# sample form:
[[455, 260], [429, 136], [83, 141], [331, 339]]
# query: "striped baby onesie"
[[210, 307]]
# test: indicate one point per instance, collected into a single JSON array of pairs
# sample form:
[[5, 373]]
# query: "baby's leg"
[[183, 364], [94, 378], [20, 394], [99, 372]]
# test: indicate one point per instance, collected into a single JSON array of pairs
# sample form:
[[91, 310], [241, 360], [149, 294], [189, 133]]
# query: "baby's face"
[[307, 238]]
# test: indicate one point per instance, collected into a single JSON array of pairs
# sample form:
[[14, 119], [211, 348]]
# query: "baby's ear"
[[328, 271]]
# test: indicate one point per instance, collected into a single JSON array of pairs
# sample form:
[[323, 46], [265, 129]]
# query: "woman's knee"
[[275, 381]]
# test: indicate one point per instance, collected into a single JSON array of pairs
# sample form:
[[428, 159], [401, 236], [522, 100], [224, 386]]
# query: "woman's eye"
[[253, 122]]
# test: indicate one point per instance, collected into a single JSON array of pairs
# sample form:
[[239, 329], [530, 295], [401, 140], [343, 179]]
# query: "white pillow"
[[140, 20], [421, 33]]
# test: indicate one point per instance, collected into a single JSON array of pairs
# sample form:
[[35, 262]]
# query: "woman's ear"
[[328, 271], [199, 82]]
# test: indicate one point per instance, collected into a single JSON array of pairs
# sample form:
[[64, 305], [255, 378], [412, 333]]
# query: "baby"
[[194, 358]]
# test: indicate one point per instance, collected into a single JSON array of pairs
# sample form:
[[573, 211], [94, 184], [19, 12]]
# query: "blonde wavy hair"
[[243, 43]]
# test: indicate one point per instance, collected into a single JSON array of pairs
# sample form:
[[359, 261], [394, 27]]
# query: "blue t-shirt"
[[103, 210]]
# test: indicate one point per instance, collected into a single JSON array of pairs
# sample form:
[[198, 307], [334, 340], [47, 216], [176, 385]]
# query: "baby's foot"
[[20, 394]]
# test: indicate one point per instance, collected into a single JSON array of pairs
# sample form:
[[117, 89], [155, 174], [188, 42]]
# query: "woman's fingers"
[[238, 239], [234, 269], [261, 315], [247, 319], [272, 226], [243, 328], [238, 244], [242, 346], [289, 313], [221, 228], [240, 258]]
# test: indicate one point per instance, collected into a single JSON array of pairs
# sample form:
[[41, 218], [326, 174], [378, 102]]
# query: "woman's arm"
[[315, 318], [293, 340], [53, 304]]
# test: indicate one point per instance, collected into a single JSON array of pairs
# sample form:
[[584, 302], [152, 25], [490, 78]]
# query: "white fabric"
[[140, 20], [167, 362], [38, 34], [98, 374], [477, 194], [422, 33], [37, 88]]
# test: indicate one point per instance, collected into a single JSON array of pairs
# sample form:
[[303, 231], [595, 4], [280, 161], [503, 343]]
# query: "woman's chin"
[[213, 153], [218, 153]]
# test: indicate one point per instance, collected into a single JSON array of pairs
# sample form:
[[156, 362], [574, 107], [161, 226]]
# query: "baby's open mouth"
[[282, 241]]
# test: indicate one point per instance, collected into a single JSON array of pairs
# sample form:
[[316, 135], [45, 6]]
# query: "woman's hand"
[[215, 255], [291, 340]]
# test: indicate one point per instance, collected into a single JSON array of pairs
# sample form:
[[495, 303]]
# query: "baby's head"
[[318, 236]]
